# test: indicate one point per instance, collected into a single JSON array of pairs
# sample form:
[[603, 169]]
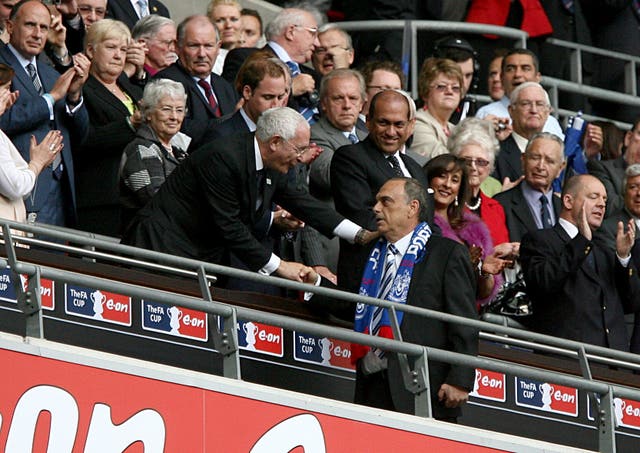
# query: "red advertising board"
[[93, 409]]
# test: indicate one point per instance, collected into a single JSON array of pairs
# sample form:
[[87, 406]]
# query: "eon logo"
[[258, 337], [146, 426], [489, 385]]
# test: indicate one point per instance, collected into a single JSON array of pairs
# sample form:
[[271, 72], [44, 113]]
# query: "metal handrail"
[[230, 313]]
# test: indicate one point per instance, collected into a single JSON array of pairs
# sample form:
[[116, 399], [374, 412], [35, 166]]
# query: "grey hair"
[[515, 94], [329, 27], [182, 27], [413, 190], [474, 131], [288, 17], [158, 89], [342, 73], [280, 121], [631, 171], [545, 136], [149, 26]]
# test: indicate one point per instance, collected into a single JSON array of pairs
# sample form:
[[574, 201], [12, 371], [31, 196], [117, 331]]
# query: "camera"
[[310, 99]]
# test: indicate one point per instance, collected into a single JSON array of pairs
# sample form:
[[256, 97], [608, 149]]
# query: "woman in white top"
[[17, 177]]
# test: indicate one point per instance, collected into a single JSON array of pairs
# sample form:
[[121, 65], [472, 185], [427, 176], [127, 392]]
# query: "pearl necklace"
[[475, 206]]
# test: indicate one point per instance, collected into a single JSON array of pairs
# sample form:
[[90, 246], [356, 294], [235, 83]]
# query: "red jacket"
[[492, 213], [495, 12]]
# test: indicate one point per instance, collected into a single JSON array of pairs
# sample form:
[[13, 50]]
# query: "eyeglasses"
[[166, 110], [442, 87], [540, 105], [299, 151], [470, 162], [312, 30]]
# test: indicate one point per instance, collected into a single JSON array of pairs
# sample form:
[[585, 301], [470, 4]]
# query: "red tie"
[[208, 92]]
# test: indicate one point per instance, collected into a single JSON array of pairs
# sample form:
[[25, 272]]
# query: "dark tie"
[[208, 93], [544, 212], [568, 5], [353, 138], [31, 69], [260, 188], [397, 171]]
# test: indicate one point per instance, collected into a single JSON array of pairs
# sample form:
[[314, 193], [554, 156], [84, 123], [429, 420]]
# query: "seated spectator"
[[250, 28], [518, 66], [379, 76], [159, 37], [529, 110], [448, 180], [494, 83], [440, 84], [531, 205], [129, 13], [611, 172], [157, 148], [17, 177], [335, 50], [111, 101], [474, 141], [579, 289], [225, 14]]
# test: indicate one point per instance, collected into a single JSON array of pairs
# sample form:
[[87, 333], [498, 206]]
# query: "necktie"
[[568, 5], [31, 69], [294, 68], [386, 283], [144, 8], [544, 212], [307, 112], [353, 138], [397, 171], [260, 188], [208, 93]]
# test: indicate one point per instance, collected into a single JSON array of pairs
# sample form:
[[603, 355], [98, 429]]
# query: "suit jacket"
[[517, 212], [229, 125], [429, 139], [324, 134], [200, 118], [357, 173], [98, 160], [123, 11], [611, 174], [207, 206], [508, 161], [30, 116], [443, 281], [572, 299]]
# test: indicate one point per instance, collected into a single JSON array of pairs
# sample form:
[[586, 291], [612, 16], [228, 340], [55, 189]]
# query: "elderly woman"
[[440, 84], [17, 177], [158, 147], [225, 14], [111, 101], [474, 141], [448, 179]]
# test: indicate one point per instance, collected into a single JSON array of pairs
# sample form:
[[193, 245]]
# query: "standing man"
[[529, 110], [531, 205], [358, 171], [518, 66], [440, 277], [159, 36], [131, 11], [579, 289], [611, 172], [211, 204], [47, 101], [291, 36], [209, 96], [335, 50]]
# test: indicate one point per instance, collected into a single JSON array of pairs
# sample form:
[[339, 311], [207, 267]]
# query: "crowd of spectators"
[[207, 140]]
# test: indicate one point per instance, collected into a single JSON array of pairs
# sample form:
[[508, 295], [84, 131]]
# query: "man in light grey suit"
[[342, 94]]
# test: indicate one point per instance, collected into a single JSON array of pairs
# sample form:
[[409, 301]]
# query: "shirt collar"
[[256, 150], [520, 141], [569, 227], [250, 124], [347, 133], [21, 59], [280, 52], [402, 244]]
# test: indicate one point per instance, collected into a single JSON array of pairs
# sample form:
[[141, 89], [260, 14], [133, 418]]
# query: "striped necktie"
[[386, 283], [544, 212], [144, 8], [31, 69], [353, 138], [208, 93]]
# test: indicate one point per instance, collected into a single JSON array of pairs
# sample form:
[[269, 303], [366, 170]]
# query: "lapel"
[[131, 12], [522, 211], [108, 98], [194, 87], [333, 134], [251, 171], [598, 256], [20, 73], [514, 156]]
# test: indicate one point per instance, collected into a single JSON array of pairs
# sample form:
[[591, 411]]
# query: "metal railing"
[[226, 342]]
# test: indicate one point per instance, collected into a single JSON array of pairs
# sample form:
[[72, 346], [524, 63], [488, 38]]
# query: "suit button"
[[604, 307], [607, 331]]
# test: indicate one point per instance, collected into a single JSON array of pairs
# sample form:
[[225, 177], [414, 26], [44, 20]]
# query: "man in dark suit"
[[531, 204], [358, 171], [47, 101], [211, 204], [579, 289], [291, 36], [611, 172], [607, 234], [529, 110], [441, 279], [125, 11], [209, 96]]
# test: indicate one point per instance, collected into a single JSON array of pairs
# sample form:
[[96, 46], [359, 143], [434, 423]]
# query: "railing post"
[[630, 78], [406, 48], [225, 340], [415, 64], [606, 423], [575, 57], [421, 387]]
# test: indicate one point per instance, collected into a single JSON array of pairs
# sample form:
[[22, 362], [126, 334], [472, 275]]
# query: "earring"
[[455, 201]]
